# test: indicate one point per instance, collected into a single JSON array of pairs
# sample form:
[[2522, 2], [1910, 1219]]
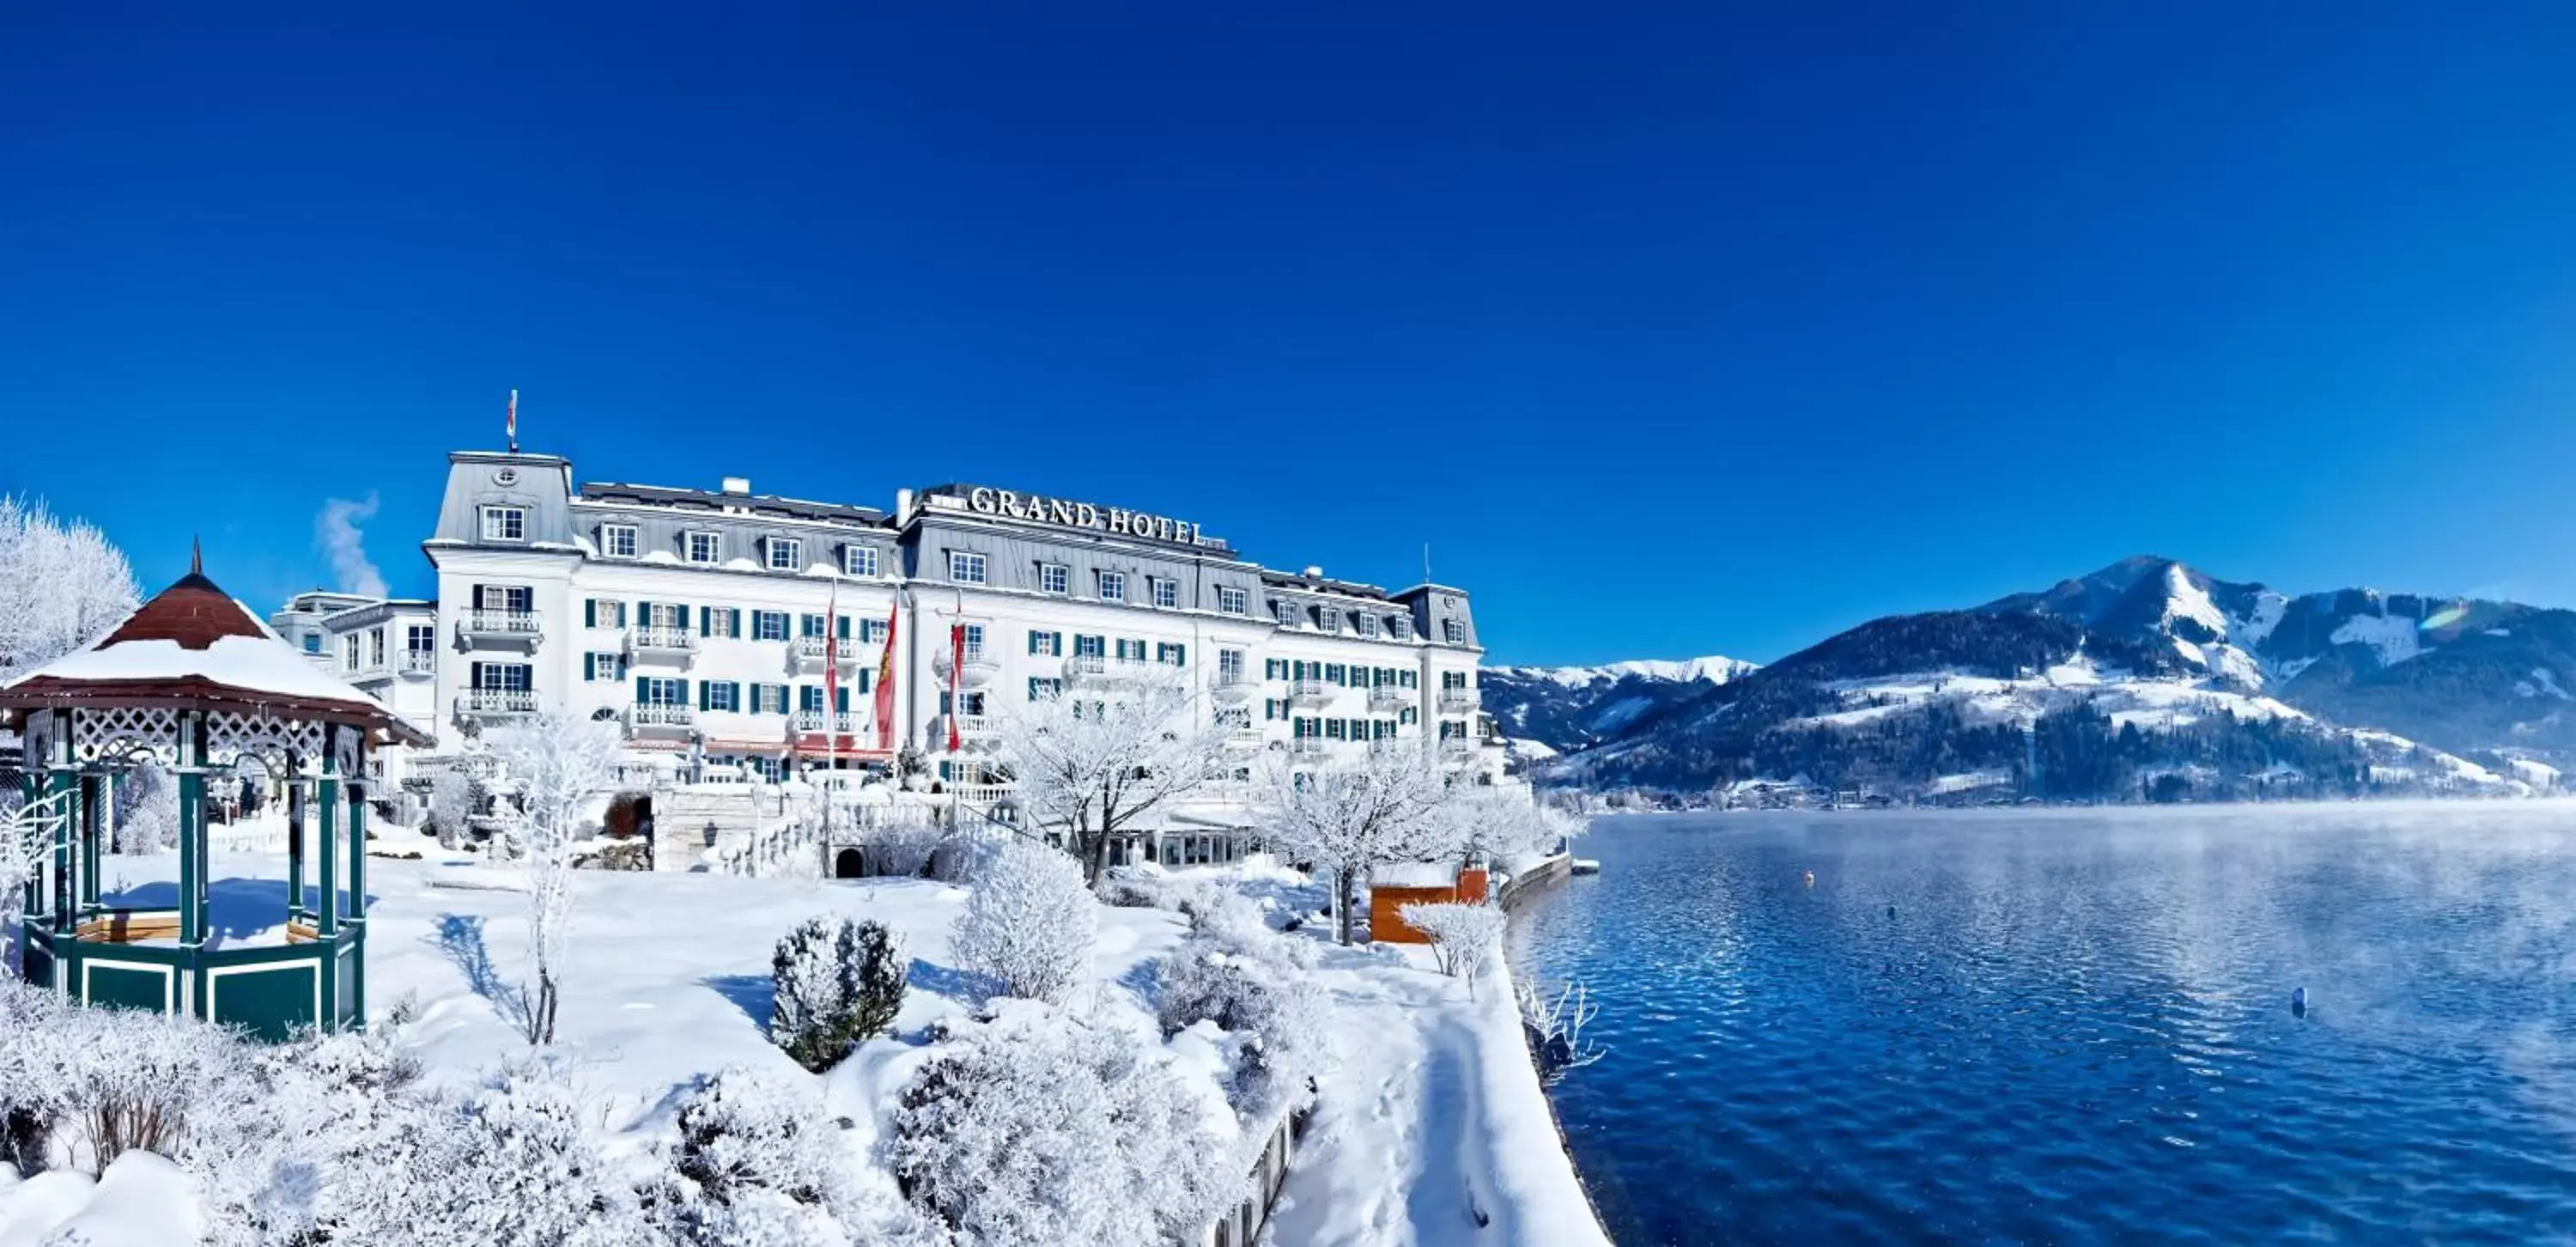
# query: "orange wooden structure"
[[1387, 901]]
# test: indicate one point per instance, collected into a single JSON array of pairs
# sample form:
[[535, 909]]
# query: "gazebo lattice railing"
[[195, 685]]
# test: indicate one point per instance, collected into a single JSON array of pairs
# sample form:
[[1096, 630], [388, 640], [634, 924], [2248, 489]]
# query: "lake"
[[2048, 1026]]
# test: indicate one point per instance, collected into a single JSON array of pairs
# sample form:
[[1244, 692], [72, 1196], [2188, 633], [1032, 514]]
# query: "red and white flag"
[[832, 665], [514, 419], [885, 683], [956, 661]]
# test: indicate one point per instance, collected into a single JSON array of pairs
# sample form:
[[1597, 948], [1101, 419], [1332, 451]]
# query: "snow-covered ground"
[[1432, 1119]]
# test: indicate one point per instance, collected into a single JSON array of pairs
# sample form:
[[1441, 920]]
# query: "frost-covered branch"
[[559, 764], [1554, 1026], [1463, 937], [1089, 763], [1351, 815], [62, 583]]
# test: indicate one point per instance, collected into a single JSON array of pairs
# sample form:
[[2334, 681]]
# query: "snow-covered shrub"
[[140, 1081], [899, 847], [147, 810], [1283, 1017], [1463, 937], [455, 797], [1040, 1129], [833, 986], [757, 1162], [1030, 923], [1554, 1027]]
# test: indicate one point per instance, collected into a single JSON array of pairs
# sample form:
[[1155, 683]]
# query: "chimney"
[[903, 506], [737, 484], [1314, 573]]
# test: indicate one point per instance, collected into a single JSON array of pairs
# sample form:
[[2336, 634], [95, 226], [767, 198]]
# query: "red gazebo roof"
[[192, 647]]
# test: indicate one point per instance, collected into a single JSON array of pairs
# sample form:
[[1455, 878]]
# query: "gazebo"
[[194, 682]]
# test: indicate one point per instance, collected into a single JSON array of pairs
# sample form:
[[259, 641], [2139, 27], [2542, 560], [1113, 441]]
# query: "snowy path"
[[1434, 1132]]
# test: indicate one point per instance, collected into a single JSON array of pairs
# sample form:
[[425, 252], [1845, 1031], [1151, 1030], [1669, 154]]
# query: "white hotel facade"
[[697, 620]]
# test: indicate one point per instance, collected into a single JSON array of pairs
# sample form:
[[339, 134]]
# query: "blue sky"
[[1673, 330]]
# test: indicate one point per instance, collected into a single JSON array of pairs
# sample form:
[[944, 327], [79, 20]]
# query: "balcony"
[[1234, 687], [1309, 692], [811, 651], [493, 703], [977, 672], [971, 728], [1306, 746], [1241, 737], [660, 719], [498, 628], [1389, 698], [1459, 700], [1097, 669], [668, 644], [979, 794], [418, 664], [844, 723], [1457, 748]]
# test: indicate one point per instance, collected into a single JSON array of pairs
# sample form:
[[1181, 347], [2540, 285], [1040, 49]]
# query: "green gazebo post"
[[193, 682]]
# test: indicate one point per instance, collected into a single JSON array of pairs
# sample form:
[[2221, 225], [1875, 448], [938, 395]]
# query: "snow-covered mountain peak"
[[1715, 668]]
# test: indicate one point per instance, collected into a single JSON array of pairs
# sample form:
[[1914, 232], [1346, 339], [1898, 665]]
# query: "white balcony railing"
[[970, 727], [815, 649], [496, 701], [977, 671], [661, 641], [1458, 746], [979, 794], [498, 625], [1306, 745], [1458, 700], [1309, 692], [842, 723], [1233, 686], [1389, 697], [419, 662], [661, 715]]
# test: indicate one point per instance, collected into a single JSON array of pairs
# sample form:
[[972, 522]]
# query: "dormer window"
[[1229, 599], [1055, 578], [617, 541], [859, 560], [1453, 631], [1285, 610], [786, 554], [1403, 627], [706, 547], [1113, 586], [1368, 626], [1167, 591], [505, 523]]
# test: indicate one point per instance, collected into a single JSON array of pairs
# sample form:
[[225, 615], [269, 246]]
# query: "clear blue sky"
[[1674, 330]]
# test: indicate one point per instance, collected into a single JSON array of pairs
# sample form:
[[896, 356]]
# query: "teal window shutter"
[[706, 624], [589, 668], [841, 702], [735, 622], [644, 614], [590, 612], [641, 687], [867, 679], [841, 626]]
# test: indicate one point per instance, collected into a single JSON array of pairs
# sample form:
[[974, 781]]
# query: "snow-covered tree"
[[1089, 763], [559, 764], [147, 810], [1506, 826], [1041, 1129], [1463, 937], [1283, 1017], [62, 584], [1351, 815], [456, 795], [759, 1163], [1030, 923], [833, 985]]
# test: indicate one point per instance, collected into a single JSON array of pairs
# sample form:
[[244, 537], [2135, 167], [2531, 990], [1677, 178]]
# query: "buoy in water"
[[1811, 878], [2298, 1002]]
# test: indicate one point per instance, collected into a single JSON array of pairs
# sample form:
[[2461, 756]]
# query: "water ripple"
[[2067, 1028]]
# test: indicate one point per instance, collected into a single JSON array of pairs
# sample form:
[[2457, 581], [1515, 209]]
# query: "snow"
[[2391, 637], [2187, 600], [1965, 782], [1715, 668], [2258, 628], [143, 1200], [1620, 713], [260, 664], [2542, 680]]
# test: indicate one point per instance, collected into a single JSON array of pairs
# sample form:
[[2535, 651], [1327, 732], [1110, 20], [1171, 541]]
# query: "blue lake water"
[[2066, 1027]]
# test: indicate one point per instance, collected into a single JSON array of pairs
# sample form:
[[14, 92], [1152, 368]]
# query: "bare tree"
[[62, 583], [1507, 826], [559, 763], [1089, 763], [1351, 815], [26, 829]]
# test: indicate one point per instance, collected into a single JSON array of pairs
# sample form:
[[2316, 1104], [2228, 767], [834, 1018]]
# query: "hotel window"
[[349, 652], [1452, 680], [769, 699], [974, 636], [501, 677], [505, 523], [769, 625], [1044, 687], [1167, 591], [603, 613], [1329, 618], [859, 560], [1368, 626], [1089, 646], [617, 541], [1046, 644], [375, 647], [660, 690], [706, 547], [1274, 668], [599, 668], [1113, 586], [1055, 578], [312, 642], [872, 631], [1229, 666], [1131, 650], [1171, 654], [1229, 599], [1407, 677], [723, 621], [723, 695], [786, 554], [515, 598], [668, 616], [1453, 632], [1403, 627], [966, 567], [1333, 674], [1285, 611], [421, 639]]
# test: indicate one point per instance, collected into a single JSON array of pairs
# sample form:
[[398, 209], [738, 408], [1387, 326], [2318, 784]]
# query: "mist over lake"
[[2028, 1026]]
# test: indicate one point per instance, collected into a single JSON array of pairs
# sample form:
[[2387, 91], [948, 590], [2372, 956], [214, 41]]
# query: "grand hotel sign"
[[1068, 514]]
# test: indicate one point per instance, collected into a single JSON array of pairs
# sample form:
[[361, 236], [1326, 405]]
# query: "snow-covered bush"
[[147, 810], [455, 797], [1282, 1016], [833, 985], [1554, 1026], [1040, 1129], [1463, 937], [1030, 924], [757, 1162]]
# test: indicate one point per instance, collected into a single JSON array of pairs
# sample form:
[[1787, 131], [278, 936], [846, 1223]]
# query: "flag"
[[956, 662], [885, 684], [514, 419], [832, 666]]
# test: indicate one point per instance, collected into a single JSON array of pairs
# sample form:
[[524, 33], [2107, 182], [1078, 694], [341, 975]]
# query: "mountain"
[[2148, 678], [1547, 710]]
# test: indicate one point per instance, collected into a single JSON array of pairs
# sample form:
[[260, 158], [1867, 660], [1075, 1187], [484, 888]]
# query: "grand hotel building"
[[702, 621]]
